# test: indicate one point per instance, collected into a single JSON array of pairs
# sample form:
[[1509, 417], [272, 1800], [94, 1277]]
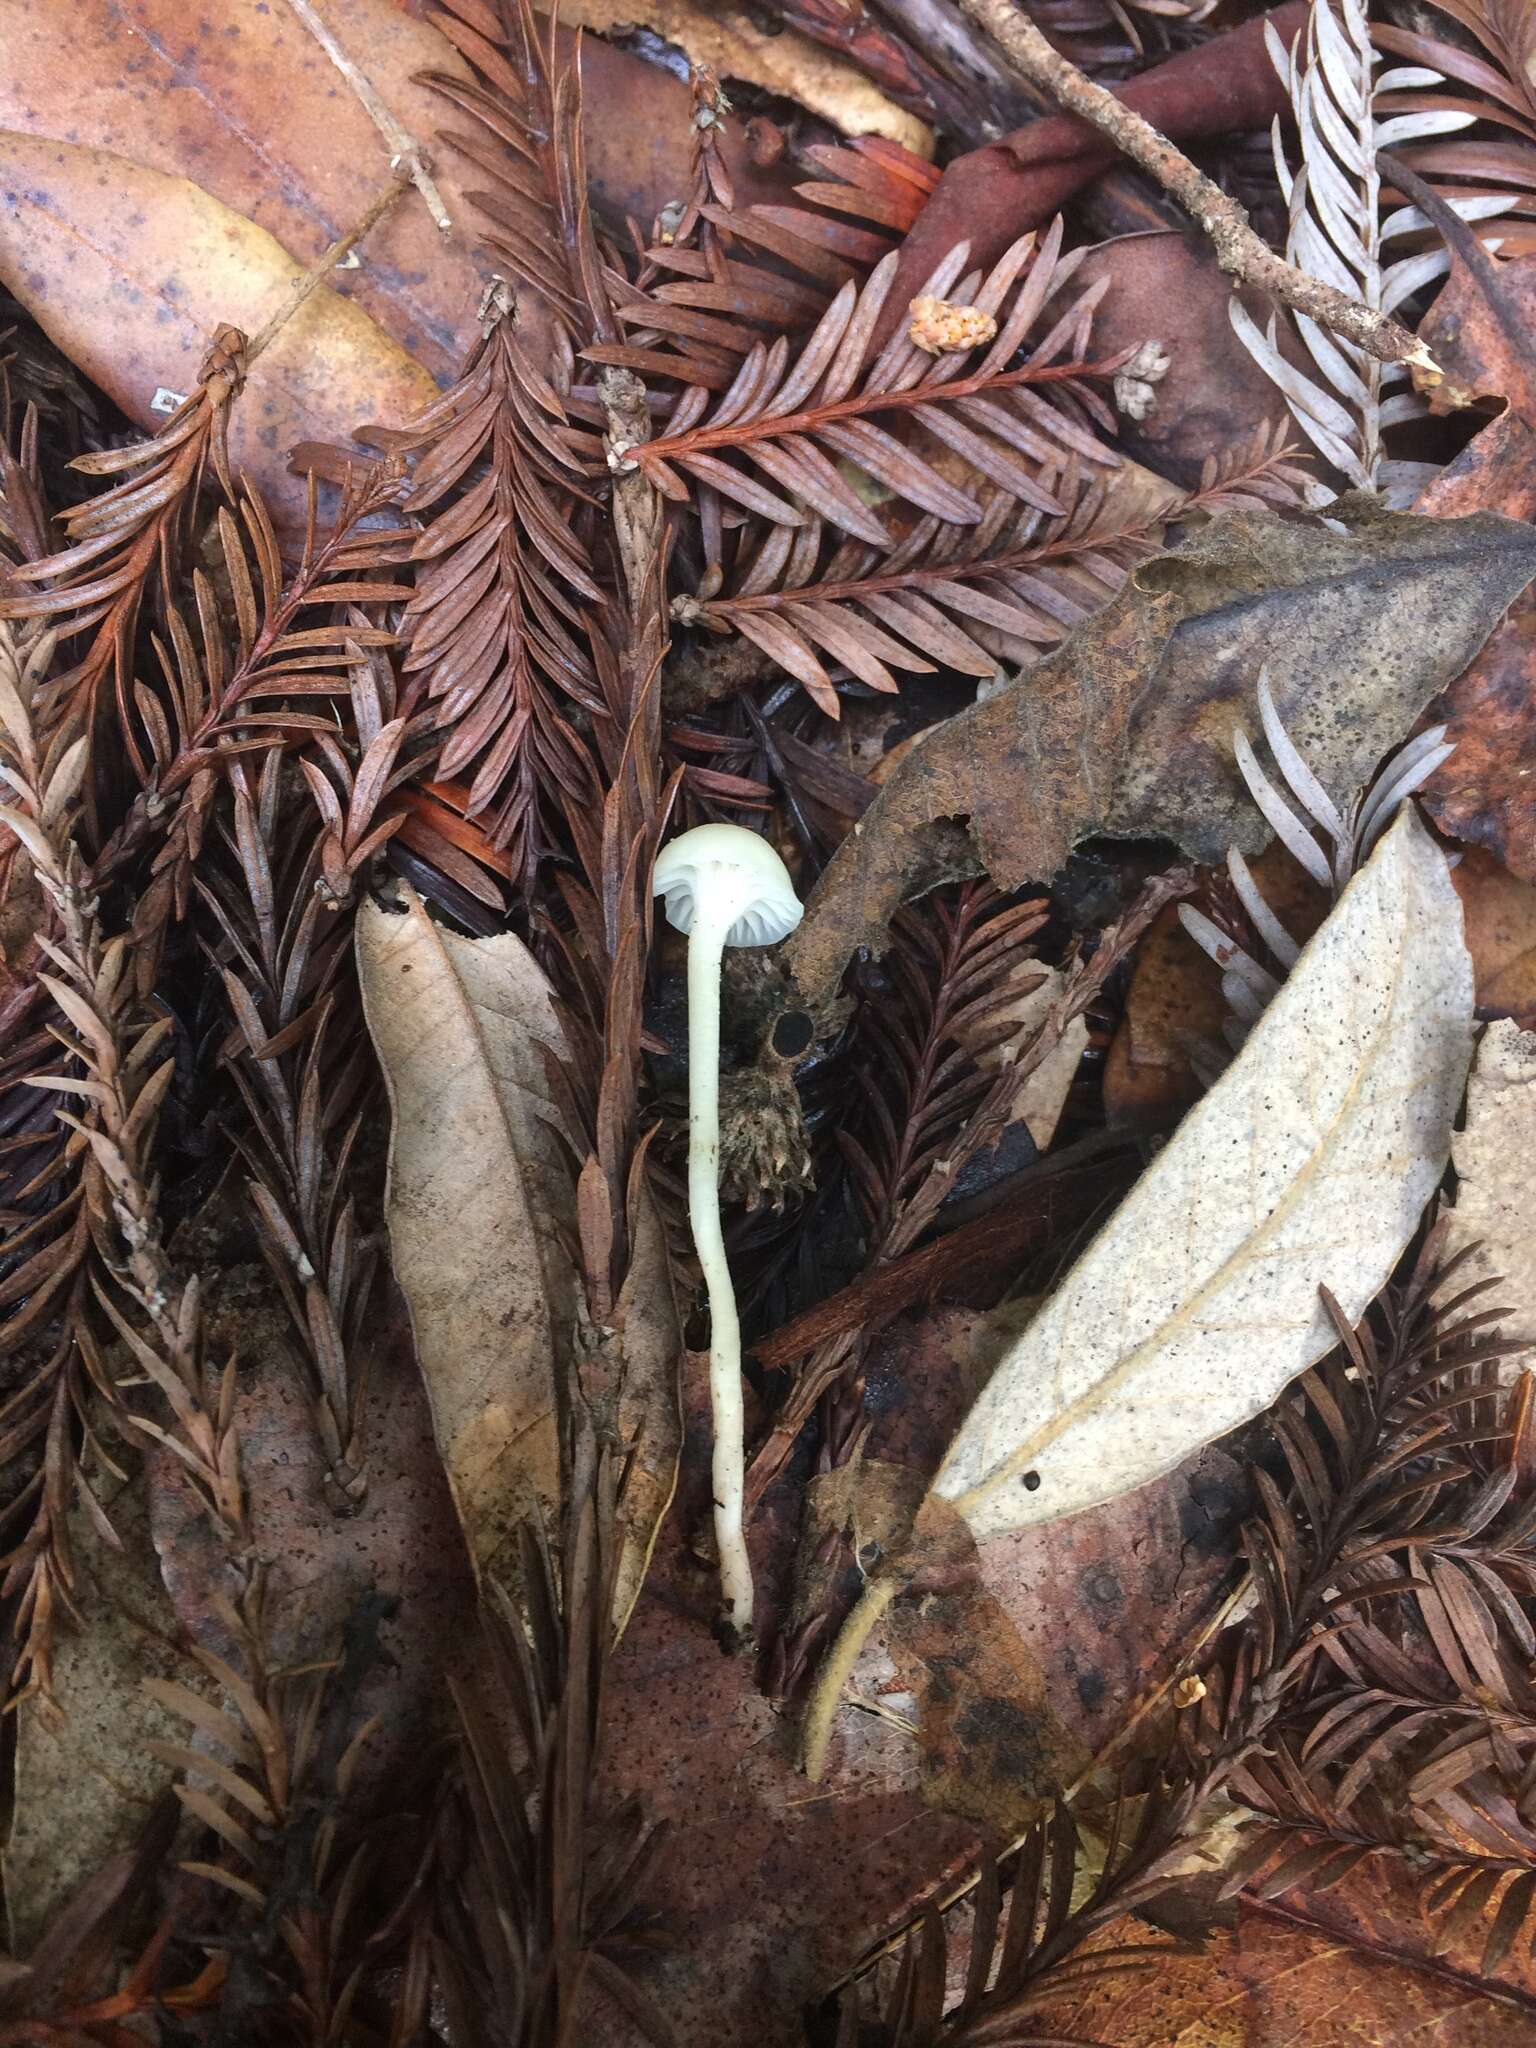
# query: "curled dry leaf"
[[1127, 727], [1492, 1155], [129, 271], [1308, 1163], [729, 43], [1479, 332], [480, 1205], [482, 1214], [991, 194]]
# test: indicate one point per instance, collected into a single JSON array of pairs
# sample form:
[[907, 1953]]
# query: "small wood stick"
[[1239, 251], [405, 152], [323, 265]]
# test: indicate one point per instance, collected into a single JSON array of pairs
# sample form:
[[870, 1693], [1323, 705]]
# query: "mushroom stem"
[[705, 944]]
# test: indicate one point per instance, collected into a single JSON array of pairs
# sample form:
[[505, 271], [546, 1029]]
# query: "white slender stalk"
[[706, 942], [724, 886]]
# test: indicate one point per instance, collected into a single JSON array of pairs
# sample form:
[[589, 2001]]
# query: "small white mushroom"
[[723, 886]]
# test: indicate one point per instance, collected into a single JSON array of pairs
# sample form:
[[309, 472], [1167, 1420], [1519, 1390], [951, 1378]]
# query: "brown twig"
[[404, 151], [1239, 251], [324, 264]]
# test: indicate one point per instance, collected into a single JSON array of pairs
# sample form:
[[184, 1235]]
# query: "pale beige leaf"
[[482, 1221], [1493, 1157], [1309, 1162], [480, 1206]]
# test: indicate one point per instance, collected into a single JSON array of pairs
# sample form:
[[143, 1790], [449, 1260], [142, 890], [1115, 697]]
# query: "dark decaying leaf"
[[1127, 727], [85, 1778], [1481, 326]]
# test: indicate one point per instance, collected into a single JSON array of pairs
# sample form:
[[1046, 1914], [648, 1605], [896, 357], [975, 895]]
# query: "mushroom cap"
[[727, 870]]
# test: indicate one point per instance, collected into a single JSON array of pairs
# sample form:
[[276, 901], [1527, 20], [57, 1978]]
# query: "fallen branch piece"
[[1239, 251], [405, 154]]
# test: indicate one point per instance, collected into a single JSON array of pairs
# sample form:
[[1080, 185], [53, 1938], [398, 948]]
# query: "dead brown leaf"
[[85, 1778], [1011, 1669], [1169, 288], [403, 1543], [770, 1888], [1175, 1003], [1483, 792], [129, 271], [245, 103], [1127, 727], [994, 1748], [1380, 1907], [482, 1213], [1144, 1351], [481, 1206], [1272, 1981], [1500, 915], [1480, 333]]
